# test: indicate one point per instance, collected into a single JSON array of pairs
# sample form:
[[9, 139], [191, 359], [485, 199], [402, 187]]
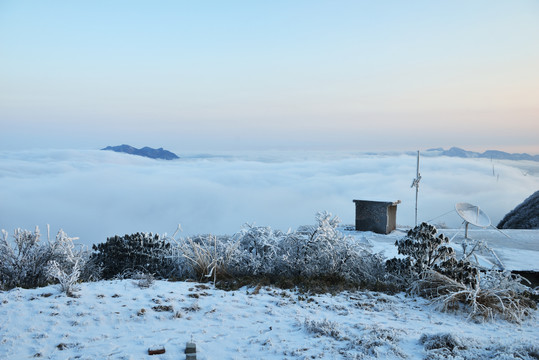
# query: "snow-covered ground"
[[93, 195], [120, 320], [517, 249]]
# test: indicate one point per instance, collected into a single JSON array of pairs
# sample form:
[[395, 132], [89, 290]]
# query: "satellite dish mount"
[[472, 214]]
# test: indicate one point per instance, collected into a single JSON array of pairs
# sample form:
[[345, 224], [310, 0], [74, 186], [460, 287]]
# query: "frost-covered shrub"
[[498, 295], [358, 264], [378, 342], [256, 251], [23, 262], [129, 254], [322, 250], [480, 303], [67, 268], [323, 327], [504, 280], [445, 346], [143, 280], [461, 271], [208, 256], [313, 250], [67, 279], [441, 341], [400, 272], [26, 261], [425, 251], [90, 271], [432, 270]]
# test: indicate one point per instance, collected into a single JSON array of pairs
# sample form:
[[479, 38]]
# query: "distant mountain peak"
[[145, 151], [489, 154]]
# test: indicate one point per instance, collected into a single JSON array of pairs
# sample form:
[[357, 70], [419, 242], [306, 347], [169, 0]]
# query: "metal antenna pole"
[[417, 187], [415, 184]]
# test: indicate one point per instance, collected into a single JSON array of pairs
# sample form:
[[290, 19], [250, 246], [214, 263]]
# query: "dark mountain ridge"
[[145, 151], [524, 216]]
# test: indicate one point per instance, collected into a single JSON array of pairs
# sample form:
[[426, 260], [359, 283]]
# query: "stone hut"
[[377, 216]]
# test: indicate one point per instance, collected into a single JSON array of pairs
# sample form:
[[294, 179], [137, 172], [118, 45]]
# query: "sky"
[[259, 75]]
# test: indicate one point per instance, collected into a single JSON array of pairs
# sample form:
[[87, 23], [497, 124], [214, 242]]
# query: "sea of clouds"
[[94, 194]]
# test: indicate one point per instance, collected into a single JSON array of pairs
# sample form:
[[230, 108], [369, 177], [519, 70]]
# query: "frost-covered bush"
[[323, 327], [358, 264], [399, 271], [441, 341], [426, 251], [129, 254], [313, 250], [256, 252], [378, 342], [208, 257], [143, 280], [433, 271], [67, 268], [502, 298], [504, 280], [24, 260], [424, 248], [322, 250], [67, 279], [445, 346], [27, 261]]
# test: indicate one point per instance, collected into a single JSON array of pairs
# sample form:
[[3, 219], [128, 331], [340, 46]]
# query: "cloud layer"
[[97, 194]]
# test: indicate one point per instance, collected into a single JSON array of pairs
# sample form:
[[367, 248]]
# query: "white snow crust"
[[517, 249], [119, 320]]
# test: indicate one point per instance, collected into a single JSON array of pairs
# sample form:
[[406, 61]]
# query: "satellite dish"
[[472, 214]]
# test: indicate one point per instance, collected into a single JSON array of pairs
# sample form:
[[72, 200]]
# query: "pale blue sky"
[[242, 75]]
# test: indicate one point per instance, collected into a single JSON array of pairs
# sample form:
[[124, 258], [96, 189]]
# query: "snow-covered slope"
[[517, 249], [120, 320]]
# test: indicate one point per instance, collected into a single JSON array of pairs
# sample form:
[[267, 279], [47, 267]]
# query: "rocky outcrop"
[[524, 216]]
